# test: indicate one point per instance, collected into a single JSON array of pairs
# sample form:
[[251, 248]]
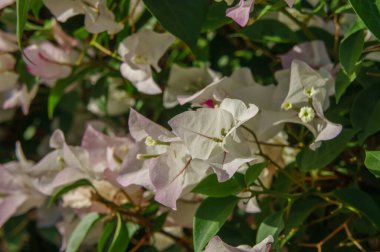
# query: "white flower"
[[309, 92], [286, 105], [140, 51], [214, 135], [98, 17], [306, 114], [186, 81]]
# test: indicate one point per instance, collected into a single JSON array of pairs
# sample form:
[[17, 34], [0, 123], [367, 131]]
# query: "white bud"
[[140, 156]]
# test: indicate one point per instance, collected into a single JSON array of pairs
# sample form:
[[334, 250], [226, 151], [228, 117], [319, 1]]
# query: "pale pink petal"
[[140, 127], [176, 173], [240, 12], [47, 61], [62, 38], [9, 206], [22, 97], [314, 53], [290, 3]]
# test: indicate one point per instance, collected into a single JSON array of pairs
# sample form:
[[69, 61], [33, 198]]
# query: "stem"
[[104, 50]]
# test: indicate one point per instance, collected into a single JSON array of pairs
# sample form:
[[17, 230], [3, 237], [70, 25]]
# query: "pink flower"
[[240, 12], [47, 61]]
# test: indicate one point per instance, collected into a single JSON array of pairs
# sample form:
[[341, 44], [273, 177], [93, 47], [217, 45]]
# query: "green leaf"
[[81, 230], [351, 47], [365, 112], [56, 94], [372, 162], [216, 17], [361, 202], [159, 221], [182, 18], [22, 7], [271, 225], [209, 218], [369, 12], [271, 8], [36, 6], [308, 159], [65, 189], [254, 172], [121, 238], [342, 82], [105, 236], [270, 30], [210, 186]]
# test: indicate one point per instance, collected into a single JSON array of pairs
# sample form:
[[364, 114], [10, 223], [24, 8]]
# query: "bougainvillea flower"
[[307, 98], [220, 89], [240, 12], [107, 149], [176, 173], [63, 39], [186, 81], [313, 53], [217, 245], [62, 166], [98, 18], [18, 194], [140, 52], [152, 140], [22, 97], [306, 82], [268, 98], [212, 134], [47, 61]]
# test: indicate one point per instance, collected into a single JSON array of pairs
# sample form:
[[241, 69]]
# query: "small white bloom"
[[306, 114], [149, 141], [309, 91], [286, 105], [140, 52]]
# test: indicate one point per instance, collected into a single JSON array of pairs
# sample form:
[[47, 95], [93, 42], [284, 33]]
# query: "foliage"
[[192, 125]]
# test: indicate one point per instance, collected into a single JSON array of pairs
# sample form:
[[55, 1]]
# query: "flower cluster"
[[130, 128]]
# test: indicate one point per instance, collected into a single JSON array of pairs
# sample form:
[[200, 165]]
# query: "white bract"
[[17, 191], [140, 52], [217, 245], [176, 173], [307, 98], [213, 135], [186, 81], [98, 17]]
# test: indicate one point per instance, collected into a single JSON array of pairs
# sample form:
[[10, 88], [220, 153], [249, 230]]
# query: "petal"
[[175, 173], [100, 20], [201, 129], [314, 53], [64, 9], [9, 206], [240, 12]]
